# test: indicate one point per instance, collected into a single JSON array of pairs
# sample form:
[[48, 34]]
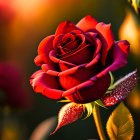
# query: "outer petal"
[[44, 48], [49, 70], [87, 23], [120, 50], [77, 75], [46, 84], [65, 27], [107, 38], [88, 91]]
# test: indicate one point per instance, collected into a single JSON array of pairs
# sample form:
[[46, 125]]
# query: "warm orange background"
[[24, 23]]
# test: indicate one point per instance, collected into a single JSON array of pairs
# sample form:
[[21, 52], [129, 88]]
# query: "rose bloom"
[[76, 61], [12, 91]]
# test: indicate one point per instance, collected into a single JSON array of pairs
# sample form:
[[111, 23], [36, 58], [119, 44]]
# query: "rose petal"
[[46, 84], [80, 37], [120, 50], [44, 48], [63, 64], [67, 43], [57, 40], [65, 27], [46, 68], [96, 43], [90, 37], [98, 46], [87, 23], [67, 37], [81, 56], [77, 75], [81, 49], [85, 54], [107, 38], [71, 70], [70, 47], [76, 32], [94, 61], [88, 91], [39, 60]]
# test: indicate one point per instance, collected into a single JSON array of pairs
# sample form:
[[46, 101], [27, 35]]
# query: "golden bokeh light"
[[133, 100], [130, 30]]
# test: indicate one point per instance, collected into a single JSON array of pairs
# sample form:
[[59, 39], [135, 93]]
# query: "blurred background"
[[23, 24]]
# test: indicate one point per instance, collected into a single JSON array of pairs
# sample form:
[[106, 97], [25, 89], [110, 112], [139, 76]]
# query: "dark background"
[[23, 24]]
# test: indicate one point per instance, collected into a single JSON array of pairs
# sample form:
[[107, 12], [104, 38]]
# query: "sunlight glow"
[[130, 31], [28, 8], [133, 100]]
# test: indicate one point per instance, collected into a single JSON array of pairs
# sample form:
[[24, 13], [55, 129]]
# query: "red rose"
[[76, 61], [12, 90]]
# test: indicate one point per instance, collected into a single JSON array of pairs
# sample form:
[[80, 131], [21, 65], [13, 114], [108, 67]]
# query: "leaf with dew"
[[121, 89], [69, 113]]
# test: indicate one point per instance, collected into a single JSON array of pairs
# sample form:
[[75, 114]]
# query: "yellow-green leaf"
[[100, 103], [120, 125], [88, 107], [64, 101]]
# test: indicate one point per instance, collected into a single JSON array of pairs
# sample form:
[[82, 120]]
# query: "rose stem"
[[98, 123]]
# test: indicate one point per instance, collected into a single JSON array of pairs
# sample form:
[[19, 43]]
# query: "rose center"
[[75, 48]]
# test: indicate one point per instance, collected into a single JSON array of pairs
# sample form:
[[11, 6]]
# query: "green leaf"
[[100, 103], [112, 78], [111, 83], [120, 125], [89, 108]]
